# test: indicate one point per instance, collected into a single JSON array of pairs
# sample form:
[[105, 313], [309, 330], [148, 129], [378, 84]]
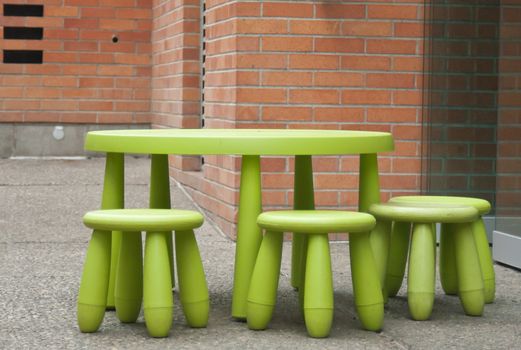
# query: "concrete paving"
[[42, 247]]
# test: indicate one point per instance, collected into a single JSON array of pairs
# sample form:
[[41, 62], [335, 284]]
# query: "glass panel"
[[461, 98], [472, 116], [508, 211]]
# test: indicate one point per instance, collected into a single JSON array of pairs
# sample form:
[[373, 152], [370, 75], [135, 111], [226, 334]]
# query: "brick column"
[[176, 69]]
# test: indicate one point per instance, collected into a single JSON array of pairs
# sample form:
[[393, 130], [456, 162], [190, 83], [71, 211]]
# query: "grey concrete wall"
[[36, 140]]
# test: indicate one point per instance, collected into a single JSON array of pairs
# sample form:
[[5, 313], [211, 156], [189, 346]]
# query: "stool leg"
[[470, 280], [485, 260], [160, 197], [249, 235], [116, 245], [398, 251], [262, 294], [421, 279], [113, 198], [157, 285], [302, 269], [434, 249], [129, 279], [193, 290], [297, 243], [366, 282], [434, 240], [92, 298], [448, 273], [380, 240], [303, 198], [318, 298]]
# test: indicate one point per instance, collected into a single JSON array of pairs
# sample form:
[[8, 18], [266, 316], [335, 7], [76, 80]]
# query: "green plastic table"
[[250, 144]]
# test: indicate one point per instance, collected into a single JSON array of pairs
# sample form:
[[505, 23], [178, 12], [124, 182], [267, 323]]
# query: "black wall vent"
[[23, 33], [23, 56], [27, 33], [23, 10]]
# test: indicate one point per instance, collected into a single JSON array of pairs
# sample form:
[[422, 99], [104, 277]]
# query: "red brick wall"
[[301, 64], [509, 129], [85, 77], [176, 69], [286, 64]]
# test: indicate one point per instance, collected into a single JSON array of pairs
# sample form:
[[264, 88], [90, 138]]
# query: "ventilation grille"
[[23, 10], [23, 33]]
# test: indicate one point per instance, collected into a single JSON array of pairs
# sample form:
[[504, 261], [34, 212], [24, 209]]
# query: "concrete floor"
[[42, 247]]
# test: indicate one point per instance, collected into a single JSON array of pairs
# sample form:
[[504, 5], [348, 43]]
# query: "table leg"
[[369, 185], [303, 198], [113, 198], [160, 197], [369, 193], [249, 235]]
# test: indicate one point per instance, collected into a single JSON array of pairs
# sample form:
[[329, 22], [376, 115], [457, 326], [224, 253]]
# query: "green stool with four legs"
[[422, 259], [318, 283], [154, 284], [448, 275]]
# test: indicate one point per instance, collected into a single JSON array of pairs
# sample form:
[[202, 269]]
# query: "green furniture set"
[[465, 262], [154, 284], [114, 274], [316, 287]]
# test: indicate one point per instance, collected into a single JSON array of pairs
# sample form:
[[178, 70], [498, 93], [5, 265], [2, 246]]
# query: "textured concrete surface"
[[42, 247], [36, 140], [6, 140]]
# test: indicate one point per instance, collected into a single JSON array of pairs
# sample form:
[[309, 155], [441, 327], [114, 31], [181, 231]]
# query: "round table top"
[[239, 141]]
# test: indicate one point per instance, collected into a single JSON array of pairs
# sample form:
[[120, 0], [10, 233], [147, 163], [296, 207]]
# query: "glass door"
[[507, 233], [460, 101], [472, 111]]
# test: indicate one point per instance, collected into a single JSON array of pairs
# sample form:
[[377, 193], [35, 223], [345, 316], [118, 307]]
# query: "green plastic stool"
[[318, 281], [448, 275], [422, 259], [154, 284]]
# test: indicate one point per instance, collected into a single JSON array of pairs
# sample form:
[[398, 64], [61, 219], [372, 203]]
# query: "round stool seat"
[[316, 221], [481, 205], [424, 212], [143, 220]]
